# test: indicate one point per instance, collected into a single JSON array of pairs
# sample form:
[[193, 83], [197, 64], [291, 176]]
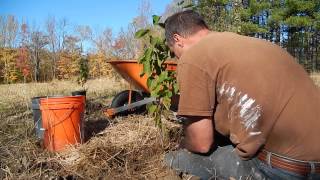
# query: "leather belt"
[[296, 166]]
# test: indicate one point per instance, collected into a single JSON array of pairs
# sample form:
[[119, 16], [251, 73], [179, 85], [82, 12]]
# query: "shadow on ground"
[[94, 127], [95, 120]]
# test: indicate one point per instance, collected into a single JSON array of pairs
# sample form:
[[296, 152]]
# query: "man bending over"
[[249, 90]]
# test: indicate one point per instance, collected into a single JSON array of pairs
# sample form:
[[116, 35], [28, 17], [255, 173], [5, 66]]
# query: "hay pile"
[[122, 148], [131, 148], [128, 148]]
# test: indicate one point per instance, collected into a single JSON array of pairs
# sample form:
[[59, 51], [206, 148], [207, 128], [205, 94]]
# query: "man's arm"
[[199, 134]]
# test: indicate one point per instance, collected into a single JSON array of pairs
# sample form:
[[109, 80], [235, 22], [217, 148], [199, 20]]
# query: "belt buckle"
[[269, 154]]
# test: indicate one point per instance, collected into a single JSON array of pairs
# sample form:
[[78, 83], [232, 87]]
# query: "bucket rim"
[[52, 106], [59, 97], [63, 98], [40, 97]]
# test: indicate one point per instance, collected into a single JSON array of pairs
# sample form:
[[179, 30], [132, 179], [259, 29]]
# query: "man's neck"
[[194, 39]]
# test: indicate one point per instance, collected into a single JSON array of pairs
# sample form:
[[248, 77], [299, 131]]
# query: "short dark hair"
[[184, 23]]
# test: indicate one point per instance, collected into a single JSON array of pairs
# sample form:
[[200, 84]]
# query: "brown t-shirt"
[[255, 92]]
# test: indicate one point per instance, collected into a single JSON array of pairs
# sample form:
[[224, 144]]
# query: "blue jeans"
[[224, 163]]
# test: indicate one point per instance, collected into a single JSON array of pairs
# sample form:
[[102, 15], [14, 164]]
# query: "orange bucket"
[[62, 120]]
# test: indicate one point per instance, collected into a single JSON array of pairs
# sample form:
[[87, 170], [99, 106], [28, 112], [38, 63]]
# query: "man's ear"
[[176, 37], [178, 40]]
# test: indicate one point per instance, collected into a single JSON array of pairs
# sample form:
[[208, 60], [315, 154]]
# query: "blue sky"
[[95, 13]]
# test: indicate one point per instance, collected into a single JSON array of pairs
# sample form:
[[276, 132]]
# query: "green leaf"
[[169, 93], [154, 40], [166, 102], [142, 59], [146, 68], [155, 19], [163, 76], [152, 108], [155, 92], [141, 33], [175, 88], [159, 62], [149, 82], [158, 121], [148, 54], [188, 6]]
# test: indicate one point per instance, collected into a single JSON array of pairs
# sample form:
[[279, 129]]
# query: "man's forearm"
[[198, 135], [185, 143]]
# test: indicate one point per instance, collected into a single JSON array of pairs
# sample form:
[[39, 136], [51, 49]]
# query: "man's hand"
[[198, 133]]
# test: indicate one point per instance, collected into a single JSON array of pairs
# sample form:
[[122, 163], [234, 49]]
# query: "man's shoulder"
[[218, 37], [212, 42], [206, 49], [197, 51]]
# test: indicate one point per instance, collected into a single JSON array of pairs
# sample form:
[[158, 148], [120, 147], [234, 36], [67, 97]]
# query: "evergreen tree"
[[292, 24]]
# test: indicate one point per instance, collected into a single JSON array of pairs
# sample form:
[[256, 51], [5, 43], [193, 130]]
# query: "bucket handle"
[[64, 117]]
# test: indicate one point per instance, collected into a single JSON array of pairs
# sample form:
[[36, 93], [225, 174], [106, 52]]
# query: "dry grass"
[[20, 94], [316, 78], [123, 148], [133, 148]]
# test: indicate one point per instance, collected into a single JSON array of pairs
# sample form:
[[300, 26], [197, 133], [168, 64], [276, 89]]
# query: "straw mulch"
[[132, 148], [128, 148], [122, 148]]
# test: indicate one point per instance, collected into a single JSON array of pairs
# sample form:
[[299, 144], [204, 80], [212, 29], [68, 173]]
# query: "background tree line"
[[292, 24], [58, 49]]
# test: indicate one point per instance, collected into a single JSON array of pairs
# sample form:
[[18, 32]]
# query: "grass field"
[[122, 148]]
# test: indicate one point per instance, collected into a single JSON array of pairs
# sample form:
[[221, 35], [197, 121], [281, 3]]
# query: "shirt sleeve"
[[197, 91]]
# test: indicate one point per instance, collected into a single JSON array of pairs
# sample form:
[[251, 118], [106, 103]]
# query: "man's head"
[[184, 29]]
